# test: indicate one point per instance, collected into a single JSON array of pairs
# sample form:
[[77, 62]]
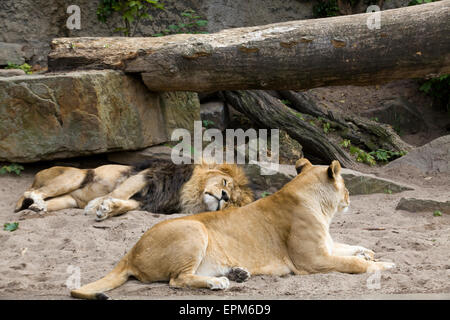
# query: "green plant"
[[25, 67], [362, 156], [388, 191], [191, 23], [437, 213], [207, 123], [132, 13], [414, 2], [326, 127], [286, 102], [345, 143], [13, 167], [386, 155], [326, 8], [11, 226], [265, 194], [439, 89]]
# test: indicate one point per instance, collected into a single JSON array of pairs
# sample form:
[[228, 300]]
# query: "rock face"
[[46, 117], [34, 23], [420, 205], [399, 113], [356, 182], [180, 110], [11, 52], [433, 157], [11, 72]]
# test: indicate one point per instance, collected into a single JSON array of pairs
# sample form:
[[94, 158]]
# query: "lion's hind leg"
[[50, 183], [196, 281]]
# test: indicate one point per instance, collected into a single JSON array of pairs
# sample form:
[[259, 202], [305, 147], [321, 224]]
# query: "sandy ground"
[[38, 258]]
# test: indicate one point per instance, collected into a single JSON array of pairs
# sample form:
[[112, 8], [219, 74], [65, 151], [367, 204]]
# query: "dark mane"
[[165, 179]]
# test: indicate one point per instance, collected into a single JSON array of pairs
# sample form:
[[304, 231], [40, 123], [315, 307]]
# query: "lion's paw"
[[238, 274], [38, 204], [380, 266], [221, 283], [365, 253], [105, 208]]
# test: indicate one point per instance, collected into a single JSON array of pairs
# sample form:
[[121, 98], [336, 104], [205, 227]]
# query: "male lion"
[[155, 186], [286, 232]]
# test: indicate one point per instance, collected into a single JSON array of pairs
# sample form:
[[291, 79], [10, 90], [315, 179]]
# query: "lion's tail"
[[95, 290]]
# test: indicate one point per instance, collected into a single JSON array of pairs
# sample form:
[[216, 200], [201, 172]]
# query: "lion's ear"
[[334, 169], [302, 165]]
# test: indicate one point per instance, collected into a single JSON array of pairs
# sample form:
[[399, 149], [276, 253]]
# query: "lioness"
[[287, 232], [155, 186]]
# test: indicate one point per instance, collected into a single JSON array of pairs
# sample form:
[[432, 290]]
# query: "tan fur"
[[109, 191], [209, 178], [287, 232]]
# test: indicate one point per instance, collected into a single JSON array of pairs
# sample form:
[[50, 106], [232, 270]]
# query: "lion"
[[286, 232], [156, 186]]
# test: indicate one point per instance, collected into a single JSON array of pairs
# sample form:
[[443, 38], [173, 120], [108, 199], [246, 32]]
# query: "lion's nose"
[[225, 196]]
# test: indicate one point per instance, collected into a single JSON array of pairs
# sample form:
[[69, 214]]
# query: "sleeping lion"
[[286, 232], [155, 186]]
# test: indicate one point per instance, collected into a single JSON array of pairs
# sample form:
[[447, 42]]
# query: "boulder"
[[433, 157], [52, 116], [399, 113], [11, 53], [421, 205], [180, 110], [356, 182], [11, 72]]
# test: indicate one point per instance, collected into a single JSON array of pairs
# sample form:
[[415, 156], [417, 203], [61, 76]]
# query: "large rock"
[[11, 53], [433, 157], [356, 182], [65, 115], [180, 110], [421, 205], [399, 113]]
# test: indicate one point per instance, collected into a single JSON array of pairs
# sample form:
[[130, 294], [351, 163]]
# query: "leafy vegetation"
[[437, 213], [132, 13], [371, 158], [439, 89], [25, 67], [326, 8], [10, 168], [265, 194], [191, 23], [11, 226], [208, 123], [414, 2]]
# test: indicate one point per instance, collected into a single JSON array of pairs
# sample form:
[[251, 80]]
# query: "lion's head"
[[325, 183], [215, 187]]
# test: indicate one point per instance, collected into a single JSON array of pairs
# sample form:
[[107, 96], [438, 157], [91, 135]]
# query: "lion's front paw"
[[365, 253], [238, 274], [221, 283], [104, 209]]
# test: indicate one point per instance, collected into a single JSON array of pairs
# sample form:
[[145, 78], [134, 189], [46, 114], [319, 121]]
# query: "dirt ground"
[[38, 258]]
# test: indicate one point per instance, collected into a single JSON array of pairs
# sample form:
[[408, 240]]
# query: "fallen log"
[[269, 112], [411, 42], [360, 131]]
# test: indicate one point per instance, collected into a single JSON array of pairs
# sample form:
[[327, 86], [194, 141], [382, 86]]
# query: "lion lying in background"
[[286, 232], [155, 186]]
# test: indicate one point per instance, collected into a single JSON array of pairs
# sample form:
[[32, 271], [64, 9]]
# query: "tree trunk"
[[360, 131], [411, 42], [268, 112]]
